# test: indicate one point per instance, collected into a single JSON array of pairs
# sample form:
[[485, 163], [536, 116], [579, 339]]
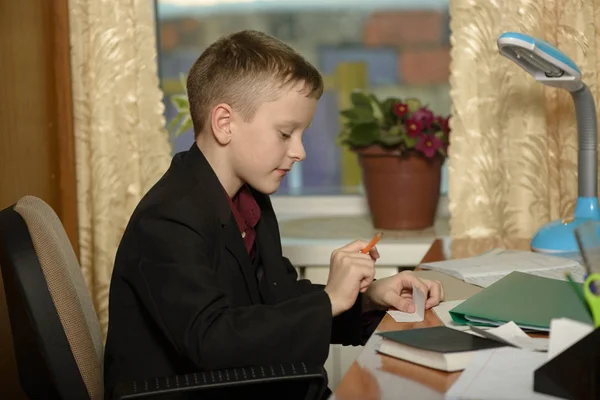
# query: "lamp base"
[[558, 237]]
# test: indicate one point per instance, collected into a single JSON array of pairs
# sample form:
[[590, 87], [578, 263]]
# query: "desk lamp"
[[550, 66]]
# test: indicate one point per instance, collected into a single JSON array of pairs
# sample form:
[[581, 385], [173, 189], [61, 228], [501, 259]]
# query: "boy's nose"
[[297, 152]]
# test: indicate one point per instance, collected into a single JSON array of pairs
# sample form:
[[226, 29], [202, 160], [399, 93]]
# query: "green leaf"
[[175, 122], [358, 115], [388, 104], [185, 125], [410, 142], [364, 115], [376, 108], [396, 130], [388, 109], [360, 99], [364, 134], [389, 140], [181, 102], [413, 105], [183, 80], [349, 113]]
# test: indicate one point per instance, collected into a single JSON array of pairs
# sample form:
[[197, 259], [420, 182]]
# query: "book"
[[486, 269], [439, 347], [529, 301]]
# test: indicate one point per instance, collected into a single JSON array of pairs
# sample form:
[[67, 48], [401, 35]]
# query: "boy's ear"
[[221, 123]]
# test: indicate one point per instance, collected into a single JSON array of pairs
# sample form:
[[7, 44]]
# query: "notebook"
[[439, 347], [486, 269], [530, 301]]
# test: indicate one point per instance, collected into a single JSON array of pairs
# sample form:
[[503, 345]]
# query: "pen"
[[372, 243]]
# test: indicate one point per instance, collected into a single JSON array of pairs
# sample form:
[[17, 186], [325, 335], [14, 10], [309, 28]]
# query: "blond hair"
[[243, 70]]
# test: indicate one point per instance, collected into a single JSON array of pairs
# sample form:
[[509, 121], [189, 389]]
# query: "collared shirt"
[[247, 213]]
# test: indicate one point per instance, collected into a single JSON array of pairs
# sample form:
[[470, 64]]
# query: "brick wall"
[[420, 38], [403, 28]]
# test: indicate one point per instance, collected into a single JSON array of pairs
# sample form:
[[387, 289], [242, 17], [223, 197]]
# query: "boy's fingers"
[[436, 293], [374, 253]]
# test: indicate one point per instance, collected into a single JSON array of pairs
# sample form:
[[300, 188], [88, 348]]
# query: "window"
[[404, 44]]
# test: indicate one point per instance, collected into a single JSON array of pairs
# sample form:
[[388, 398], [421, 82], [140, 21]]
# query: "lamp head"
[[543, 61], [551, 67]]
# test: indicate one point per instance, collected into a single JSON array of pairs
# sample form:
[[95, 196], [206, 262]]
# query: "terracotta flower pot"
[[402, 191]]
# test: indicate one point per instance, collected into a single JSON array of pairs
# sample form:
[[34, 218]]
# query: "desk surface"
[[376, 376]]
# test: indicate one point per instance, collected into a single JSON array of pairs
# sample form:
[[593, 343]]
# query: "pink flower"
[[428, 145], [444, 125], [413, 128], [400, 109], [424, 116]]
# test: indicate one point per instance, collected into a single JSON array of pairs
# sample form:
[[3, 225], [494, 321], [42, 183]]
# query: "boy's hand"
[[396, 291], [350, 272]]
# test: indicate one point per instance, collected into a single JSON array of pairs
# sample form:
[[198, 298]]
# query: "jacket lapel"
[[272, 264], [197, 164], [235, 245]]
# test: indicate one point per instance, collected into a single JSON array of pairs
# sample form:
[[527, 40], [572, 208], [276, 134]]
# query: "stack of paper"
[[486, 269]]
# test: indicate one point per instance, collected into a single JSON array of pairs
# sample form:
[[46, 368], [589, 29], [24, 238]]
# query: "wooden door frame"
[[67, 179]]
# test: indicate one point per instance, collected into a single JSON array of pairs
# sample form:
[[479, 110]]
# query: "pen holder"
[[574, 373]]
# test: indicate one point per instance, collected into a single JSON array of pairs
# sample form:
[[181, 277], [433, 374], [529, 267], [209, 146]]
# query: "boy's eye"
[[285, 135]]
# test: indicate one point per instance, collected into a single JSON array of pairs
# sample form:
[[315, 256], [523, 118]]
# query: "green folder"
[[529, 301]]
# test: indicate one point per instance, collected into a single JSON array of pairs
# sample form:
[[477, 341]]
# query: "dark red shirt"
[[247, 213]]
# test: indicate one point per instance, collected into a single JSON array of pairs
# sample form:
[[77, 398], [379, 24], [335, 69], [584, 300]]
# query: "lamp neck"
[[587, 133]]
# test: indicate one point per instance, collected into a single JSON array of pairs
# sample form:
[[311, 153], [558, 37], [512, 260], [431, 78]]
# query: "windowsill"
[[313, 226], [320, 191]]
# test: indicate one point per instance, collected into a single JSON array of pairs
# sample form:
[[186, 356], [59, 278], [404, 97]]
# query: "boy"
[[199, 279]]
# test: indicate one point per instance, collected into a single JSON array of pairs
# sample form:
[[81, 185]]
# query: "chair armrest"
[[313, 376]]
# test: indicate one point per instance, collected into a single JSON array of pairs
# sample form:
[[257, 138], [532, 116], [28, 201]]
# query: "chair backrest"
[[56, 334]]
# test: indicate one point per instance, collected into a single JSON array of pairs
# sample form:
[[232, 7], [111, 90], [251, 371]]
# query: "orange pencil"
[[372, 243]]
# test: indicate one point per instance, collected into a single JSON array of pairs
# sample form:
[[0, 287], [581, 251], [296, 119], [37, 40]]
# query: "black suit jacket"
[[184, 297]]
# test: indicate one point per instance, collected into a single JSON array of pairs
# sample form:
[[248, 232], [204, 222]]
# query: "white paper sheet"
[[417, 316], [510, 333], [505, 373], [442, 311], [564, 333], [486, 269]]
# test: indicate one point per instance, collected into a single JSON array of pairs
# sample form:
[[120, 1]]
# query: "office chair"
[[56, 334]]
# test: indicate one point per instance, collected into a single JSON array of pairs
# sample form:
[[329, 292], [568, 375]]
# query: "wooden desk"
[[374, 376]]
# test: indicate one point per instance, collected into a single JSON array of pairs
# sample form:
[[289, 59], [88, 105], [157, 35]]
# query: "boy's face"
[[264, 149]]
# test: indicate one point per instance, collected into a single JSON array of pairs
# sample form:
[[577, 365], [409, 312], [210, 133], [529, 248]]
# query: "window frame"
[[292, 206]]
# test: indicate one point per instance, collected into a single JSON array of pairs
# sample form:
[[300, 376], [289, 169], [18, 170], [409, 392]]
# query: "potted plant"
[[401, 147], [183, 120]]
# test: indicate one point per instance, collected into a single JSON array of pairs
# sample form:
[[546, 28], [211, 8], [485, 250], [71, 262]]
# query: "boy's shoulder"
[[188, 191]]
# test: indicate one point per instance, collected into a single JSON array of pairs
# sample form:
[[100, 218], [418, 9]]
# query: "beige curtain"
[[513, 156], [122, 147]]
